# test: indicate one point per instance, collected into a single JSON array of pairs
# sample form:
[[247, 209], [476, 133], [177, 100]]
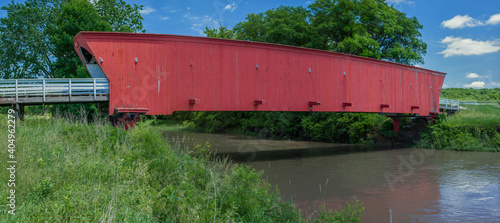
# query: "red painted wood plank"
[[173, 71]]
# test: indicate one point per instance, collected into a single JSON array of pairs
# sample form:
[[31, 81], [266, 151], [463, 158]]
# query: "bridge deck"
[[53, 91]]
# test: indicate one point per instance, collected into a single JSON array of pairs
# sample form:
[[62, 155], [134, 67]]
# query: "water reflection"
[[416, 185]]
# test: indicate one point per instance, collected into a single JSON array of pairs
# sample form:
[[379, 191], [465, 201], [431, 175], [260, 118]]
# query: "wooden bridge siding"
[[223, 76]]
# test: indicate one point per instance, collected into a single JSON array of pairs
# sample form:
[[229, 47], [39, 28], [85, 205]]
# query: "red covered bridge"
[[158, 74]]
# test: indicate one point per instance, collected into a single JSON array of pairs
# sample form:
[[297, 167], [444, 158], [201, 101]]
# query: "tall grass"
[[483, 116], [476, 128], [73, 170]]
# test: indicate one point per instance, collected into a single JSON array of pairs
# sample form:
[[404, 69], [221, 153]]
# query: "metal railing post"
[[17, 93], [69, 88], [94, 91], [43, 90]]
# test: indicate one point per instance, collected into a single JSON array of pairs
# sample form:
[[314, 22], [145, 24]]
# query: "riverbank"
[[409, 181], [73, 170], [352, 128], [474, 128]]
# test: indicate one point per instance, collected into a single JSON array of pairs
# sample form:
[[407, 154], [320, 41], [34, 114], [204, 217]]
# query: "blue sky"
[[463, 36]]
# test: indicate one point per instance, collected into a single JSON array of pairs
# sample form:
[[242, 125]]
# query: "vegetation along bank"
[[474, 128], [73, 170]]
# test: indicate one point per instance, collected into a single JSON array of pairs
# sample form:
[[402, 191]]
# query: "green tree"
[[284, 25], [36, 36], [24, 39], [75, 16], [121, 16], [368, 28], [221, 32]]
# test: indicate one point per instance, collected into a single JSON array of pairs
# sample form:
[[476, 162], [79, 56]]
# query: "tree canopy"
[[369, 28], [222, 32], [284, 25], [36, 36]]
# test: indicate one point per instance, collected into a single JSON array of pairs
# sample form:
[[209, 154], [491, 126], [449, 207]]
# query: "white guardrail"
[[53, 87], [449, 104]]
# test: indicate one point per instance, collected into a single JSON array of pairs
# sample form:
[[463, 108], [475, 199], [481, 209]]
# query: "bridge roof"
[[159, 37]]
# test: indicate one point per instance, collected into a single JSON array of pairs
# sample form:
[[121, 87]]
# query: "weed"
[[73, 170]]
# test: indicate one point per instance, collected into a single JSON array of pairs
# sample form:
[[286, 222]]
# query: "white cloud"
[[473, 75], [460, 46], [164, 18], [198, 24], [494, 19], [147, 10], [231, 7], [475, 84], [460, 21], [172, 11], [495, 84], [396, 2], [309, 2], [445, 85]]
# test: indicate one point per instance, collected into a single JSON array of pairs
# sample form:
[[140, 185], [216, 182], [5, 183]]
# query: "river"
[[405, 184]]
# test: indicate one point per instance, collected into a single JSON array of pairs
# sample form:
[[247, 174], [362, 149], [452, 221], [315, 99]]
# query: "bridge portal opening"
[[91, 64]]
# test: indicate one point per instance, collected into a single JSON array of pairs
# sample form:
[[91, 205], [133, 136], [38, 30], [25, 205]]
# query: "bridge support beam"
[[19, 108], [126, 121], [395, 123], [102, 108], [127, 117]]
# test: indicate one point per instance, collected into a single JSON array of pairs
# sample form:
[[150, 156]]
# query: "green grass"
[[482, 116], [473, 129], [479, 95], [71, 170]]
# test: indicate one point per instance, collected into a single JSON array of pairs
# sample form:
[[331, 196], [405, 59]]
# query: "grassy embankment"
[[479, 95], [73, 171], [476, 128]]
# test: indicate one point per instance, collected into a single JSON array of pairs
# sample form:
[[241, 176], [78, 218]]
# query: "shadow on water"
[[248, 149], [272, 155]]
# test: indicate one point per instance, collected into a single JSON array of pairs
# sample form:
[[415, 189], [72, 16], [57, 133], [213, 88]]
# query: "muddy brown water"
[[407, 184]]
